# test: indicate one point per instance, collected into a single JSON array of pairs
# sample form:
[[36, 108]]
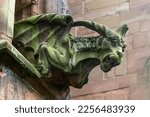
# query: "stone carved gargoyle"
[[63, 59]]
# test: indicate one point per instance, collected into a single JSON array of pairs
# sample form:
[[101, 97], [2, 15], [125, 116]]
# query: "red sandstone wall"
[[129, 80]]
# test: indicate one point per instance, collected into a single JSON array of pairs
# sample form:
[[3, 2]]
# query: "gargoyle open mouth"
[[110, 61]]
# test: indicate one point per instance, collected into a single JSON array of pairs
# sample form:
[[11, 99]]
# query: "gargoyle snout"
[[112, 60], [120, 54]]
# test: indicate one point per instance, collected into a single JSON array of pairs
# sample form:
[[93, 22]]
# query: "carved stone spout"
[[62, 59]]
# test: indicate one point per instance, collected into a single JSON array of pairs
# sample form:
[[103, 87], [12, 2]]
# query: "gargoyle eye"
[[114, 43]]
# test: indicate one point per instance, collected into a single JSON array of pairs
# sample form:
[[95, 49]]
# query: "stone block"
[[3, 19], [94, 96], [96, 86], [26, 12], [131, 61], [145, 25], [7, 17], [95, 77], [10, 24], [122, 94], [21, 4], [110, 21], [110, 10], [147, 35], [3, 3], [139, 40], [142, 66], [77, 98], [105, 85], [97, 4], [122, 68], [140, 91], [82, 31], [127, 80], [138, 3], [142, 52], [75, 10], [110, 74], [129, 41], [12, 88], [78, 92], [136, 59], [134, 27], [74, 2], [74, 31], [143, 76], [97, 96], [119, 94], [12, 6], [135, 14], [18, 15]]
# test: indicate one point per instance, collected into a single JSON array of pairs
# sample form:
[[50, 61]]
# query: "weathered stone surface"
[[3, 19], [21, 4], [12, 88], [97, 4], [135, 14], [7, 8], [111, 21], [134, 27], [139, 40], [129, 41], [138, 3], [122, 69], [145, 25], [120, 94]]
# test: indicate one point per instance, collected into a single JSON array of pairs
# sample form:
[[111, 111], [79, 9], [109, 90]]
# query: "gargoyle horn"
[[122, 30]]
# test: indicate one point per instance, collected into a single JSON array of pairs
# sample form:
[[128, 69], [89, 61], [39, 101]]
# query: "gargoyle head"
[[112, 48]]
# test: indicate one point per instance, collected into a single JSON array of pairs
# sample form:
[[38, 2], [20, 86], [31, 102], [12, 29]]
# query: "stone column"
[[34, 7], [7, 9], [56, 6]]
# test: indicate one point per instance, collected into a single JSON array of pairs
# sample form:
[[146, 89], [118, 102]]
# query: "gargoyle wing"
[[33, 31]]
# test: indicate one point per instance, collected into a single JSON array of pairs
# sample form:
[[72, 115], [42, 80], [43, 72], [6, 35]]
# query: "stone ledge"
[[8, 47], [12, 59]]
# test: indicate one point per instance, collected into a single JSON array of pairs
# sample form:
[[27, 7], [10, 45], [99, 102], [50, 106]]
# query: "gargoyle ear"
[[122, 30]]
